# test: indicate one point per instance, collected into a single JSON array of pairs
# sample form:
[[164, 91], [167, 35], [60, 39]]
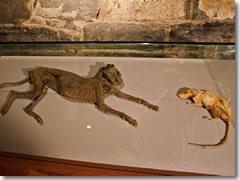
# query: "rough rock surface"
[[15, 11], [203, 32], [218, 9], [34, 34], [142, 10], [85, 10], [123, 32], [118, 20]]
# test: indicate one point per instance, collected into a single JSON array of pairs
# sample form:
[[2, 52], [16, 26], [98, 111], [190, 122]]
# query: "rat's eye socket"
[[104, 75]]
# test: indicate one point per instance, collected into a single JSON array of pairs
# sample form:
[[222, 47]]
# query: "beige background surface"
[[80, 132]]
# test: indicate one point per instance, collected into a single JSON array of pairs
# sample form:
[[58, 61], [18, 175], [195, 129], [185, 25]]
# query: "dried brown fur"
[[217, 106], [75, 87]]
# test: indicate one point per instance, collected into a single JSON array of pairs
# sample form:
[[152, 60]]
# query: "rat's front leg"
[[194, 104], [196, 101]]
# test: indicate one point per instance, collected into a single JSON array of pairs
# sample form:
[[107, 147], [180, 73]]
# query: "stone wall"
[[118, 20]]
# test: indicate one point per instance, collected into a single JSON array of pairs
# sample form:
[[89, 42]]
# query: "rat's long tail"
[[222, 141], [4, 85]]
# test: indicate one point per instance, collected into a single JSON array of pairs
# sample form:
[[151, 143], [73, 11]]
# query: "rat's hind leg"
[[214, 115], [209, 118], [29, 108]]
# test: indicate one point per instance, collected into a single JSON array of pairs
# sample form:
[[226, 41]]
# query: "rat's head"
[[185, 93], [112, 75]]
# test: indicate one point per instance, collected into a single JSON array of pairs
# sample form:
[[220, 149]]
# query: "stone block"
[[218, 9], [217, 31], [165, 10], [85, 10], [50, 3], [123, 32], [141, 10], [33, 34], [15, 11]]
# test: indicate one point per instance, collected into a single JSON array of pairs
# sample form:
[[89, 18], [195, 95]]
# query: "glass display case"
[[79, 132], [158, 46]]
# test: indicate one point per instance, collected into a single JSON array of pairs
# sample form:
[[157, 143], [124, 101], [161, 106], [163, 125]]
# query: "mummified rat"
[[217, 106]]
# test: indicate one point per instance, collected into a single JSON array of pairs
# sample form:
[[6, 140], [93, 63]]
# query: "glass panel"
[[167, 50]]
